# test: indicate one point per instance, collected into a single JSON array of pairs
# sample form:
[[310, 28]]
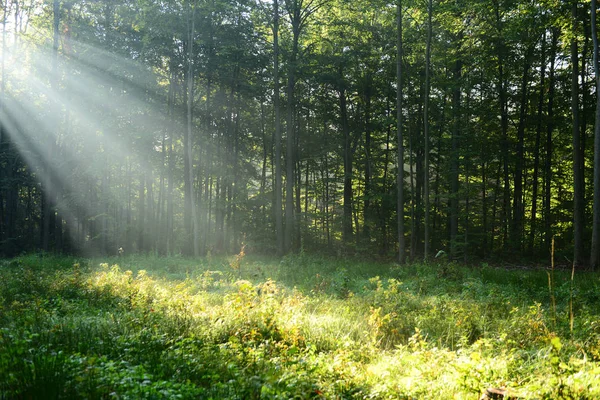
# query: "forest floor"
[[301, 327]]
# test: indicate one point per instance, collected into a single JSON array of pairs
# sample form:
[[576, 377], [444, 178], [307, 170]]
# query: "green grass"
[[301, 327]]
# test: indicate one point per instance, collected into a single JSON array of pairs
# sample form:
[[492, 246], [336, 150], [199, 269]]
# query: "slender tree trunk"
[[426, 129], [141, 222], [454, 164], [578, 201], [595, 250], [290, 141], [467, 211], [5, 213], [484, 205], [400, 138], [382, 214], [46, 195], [501, 85], [188, 142], [548, 158], [297, 239], [171, 161], [278, 167], [518, 208], [265, 152], [367, 217], [347, 217], [413, 197], [536, 151]]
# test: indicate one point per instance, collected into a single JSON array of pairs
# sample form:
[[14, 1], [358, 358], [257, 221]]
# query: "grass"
[[300, 327]]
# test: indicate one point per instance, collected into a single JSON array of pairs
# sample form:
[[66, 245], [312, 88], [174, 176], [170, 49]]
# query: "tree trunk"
[[454, 163], [578, 200], [501, 85], [367, 212], [141, 222], [518, 208], [400, 138], [595, 250], [47, 205], [189, 180], [548, 157], [536, 151], [347, 216], [289, 179], [426, 130], [278, 167]]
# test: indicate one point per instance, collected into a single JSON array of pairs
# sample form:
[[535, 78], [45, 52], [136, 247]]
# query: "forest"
[[299, 199], [197, 127]]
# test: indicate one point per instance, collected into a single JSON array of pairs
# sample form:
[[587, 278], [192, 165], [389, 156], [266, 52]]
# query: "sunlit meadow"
[[305, 327]]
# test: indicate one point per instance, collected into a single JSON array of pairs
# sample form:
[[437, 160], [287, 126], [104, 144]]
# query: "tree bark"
[[578, 200], [454, 163], [548, 157], [518, 208], [426, 129], [400, 138], [278, 167], [189, 180], [595, 246], [347, 217], [290, 140], [536, 151]]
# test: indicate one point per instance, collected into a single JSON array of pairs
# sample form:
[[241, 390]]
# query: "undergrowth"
[[299, 327]]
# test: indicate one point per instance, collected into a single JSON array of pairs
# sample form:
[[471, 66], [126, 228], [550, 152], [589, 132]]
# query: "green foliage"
[[305, 327]]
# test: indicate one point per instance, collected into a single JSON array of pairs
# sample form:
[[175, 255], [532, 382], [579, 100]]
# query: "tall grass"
[[299, 327]]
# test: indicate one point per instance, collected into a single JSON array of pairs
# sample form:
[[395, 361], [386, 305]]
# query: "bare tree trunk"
[[400, 138], [578, 201], [426, 130], [347, 216], [188, 142], [536, 151], [518, 207], [503, 97], [595, 251], [278, 168], [454, 163], [548, 158]]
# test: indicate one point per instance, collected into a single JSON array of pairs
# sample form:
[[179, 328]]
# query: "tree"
[[400, 137], [278, 175], [426, 126], [578, 189], [595, 252]]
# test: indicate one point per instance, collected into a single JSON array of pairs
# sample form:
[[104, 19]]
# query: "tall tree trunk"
[[454, 163], [536, 151], [170, 182], [367, 212], [290, 141], [5, 215], [347, 216], [518, 208], [278, 167], [595, 249], [548, 158], [188, 170], [413, 197], [426, 129], [500, 48], [400, 138], [47, 205], [578, 200]]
